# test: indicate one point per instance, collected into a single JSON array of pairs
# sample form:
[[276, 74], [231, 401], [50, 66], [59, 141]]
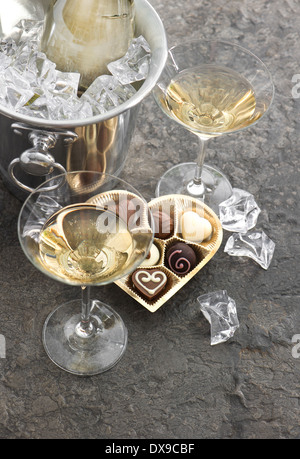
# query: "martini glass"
[[210, 88], [85, 229]]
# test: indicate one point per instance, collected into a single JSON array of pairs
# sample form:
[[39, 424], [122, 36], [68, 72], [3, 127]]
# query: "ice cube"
[[134, 65], [254, 244], [106, 92], [5, 61], [220, 311], [66, 84], [239, 213], [31, 84], [16, 99]]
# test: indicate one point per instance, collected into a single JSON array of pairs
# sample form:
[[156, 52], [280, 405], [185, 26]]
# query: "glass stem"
[[196, 187], [200, 161], [86, 307], [85, 327]]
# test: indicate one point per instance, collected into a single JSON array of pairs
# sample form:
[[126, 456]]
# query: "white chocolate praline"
[[195, 228], [153, 259]]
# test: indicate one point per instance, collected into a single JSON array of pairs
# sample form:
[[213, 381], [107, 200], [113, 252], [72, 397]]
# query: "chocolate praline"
[[163, 224], [125, 207], [149, 282], [152, 257], [194, 227], [181, 258]]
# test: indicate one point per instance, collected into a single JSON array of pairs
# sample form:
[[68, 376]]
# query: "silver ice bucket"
[[31, 149]]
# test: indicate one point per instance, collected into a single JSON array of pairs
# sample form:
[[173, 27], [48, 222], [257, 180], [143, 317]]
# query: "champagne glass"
[[210, 88], [85, 229]]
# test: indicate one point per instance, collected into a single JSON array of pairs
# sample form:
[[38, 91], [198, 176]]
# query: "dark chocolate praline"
[[181, 258], [163, 224]]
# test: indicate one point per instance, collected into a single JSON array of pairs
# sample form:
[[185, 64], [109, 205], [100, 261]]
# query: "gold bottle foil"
[[177, 205]]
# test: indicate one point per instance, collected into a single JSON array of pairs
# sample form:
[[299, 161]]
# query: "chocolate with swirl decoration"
[[181, 258]]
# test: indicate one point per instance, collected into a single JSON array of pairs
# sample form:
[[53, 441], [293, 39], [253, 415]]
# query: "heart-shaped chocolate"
[[149, 282]]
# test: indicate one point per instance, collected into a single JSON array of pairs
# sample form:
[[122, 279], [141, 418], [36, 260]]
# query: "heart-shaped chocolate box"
[[176, 205]]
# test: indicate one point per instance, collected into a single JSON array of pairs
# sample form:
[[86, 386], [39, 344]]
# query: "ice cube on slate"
[[134, 66], [254, 244], [239, 213], [220, 311]]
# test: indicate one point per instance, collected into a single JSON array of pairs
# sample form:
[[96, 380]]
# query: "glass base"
[[77, 353], [179, 180]]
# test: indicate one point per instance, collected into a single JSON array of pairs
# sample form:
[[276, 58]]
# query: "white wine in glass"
[[211, 99], [85, 244], [211, 88], [85, 229]]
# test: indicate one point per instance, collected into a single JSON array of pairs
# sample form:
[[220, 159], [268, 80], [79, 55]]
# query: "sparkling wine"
[[84, 36], [83, 244], [211, 99]]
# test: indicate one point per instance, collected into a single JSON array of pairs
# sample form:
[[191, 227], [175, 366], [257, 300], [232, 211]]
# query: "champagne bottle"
[[85, 35]]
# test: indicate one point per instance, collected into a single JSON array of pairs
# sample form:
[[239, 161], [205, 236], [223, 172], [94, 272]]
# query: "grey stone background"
[[171, 383]]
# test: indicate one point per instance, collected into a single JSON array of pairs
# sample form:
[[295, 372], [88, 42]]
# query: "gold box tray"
[[204, 250]]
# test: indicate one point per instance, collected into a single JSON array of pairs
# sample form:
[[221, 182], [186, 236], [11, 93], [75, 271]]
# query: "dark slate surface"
[[171, 383]]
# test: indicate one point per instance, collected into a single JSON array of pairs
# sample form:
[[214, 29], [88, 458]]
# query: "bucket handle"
[[41, 162], [37, 160]]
